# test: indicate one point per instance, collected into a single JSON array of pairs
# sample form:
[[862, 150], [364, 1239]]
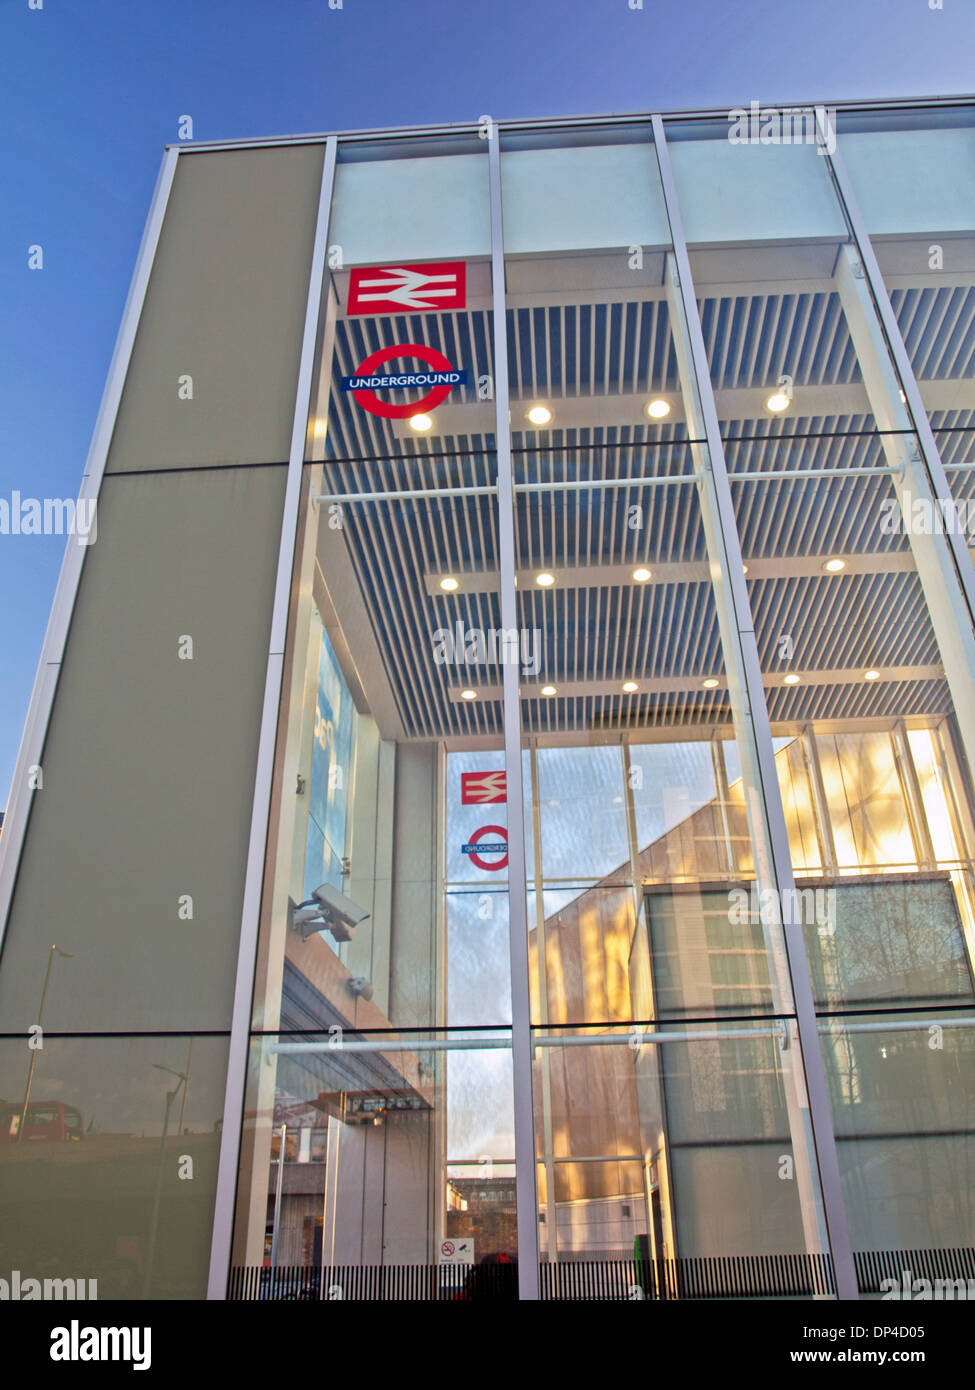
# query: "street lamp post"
[[55, 950], [154, 1223]]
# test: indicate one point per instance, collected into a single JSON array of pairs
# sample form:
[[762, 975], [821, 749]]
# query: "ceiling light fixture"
[[630, 687], [449, 584], [711, 683], [872, 676], [468, 694], [777, 402], [421, 422], [545, 580], [791, 679], [642, 575], [549, 690], [658, 409], [834, 566], [539, 415]]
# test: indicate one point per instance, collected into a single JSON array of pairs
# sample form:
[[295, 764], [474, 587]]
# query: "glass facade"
[[590, 895]]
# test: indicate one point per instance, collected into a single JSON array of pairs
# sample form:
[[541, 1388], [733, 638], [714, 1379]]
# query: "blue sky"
[[91, 91]]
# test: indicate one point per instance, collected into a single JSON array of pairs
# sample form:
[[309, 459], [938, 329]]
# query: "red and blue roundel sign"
[[477, 846], [441, 378]]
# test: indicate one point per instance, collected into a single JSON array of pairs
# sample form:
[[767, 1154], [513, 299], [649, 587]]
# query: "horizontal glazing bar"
[[595, 484]]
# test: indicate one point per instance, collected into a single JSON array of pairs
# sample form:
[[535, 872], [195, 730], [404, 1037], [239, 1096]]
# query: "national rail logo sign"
[[479, 788], [414, 288], [441, 379]]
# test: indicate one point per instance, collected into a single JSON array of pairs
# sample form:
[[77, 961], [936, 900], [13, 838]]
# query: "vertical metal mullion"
[[756, 713], [233, 1107], [551, 1214], [917, 816], [898, 350], [521, 1041], [819, 799]]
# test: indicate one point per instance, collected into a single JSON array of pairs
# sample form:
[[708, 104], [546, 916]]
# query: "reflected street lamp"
[[154, 1223], [68, 955]]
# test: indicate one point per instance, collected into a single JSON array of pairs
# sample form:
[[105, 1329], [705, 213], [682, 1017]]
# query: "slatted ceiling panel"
[[565, 351], [614, 452], [392, 544], [957, 420], [859, 620], [936, 324], [752, 340], [954, 434], [609, 633], [476, 468], [869, 700], [590, 528], [810, 516], [561, 352]]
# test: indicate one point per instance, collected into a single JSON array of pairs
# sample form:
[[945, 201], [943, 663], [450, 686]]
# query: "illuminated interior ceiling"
[[599, 356]]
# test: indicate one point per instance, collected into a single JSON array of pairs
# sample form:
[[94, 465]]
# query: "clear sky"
[[91, 91]]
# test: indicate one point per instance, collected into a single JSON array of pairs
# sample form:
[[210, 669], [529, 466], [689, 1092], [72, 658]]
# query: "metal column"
[[521, 1040], [223, 1216]]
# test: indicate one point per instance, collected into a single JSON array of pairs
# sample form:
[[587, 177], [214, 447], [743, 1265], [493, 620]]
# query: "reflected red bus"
[[48, 1119]]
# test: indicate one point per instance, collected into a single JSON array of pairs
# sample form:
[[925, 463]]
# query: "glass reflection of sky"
[[582, 815]]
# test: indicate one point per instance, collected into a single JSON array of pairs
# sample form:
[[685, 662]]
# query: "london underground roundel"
[[477, 846], [440, 377]]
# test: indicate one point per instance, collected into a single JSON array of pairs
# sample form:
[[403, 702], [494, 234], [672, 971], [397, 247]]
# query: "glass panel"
[[386, 893], [108, 1165], [913, 174], [646, 828], [404, 200], [687, 1133], [398, 1151], [903, 1091], [405, 394], [856, 621]]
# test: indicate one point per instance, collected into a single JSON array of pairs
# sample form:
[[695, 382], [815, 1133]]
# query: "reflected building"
[[499, 786]]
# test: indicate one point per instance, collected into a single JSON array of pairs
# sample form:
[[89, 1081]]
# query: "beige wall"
[[149, 762], [226, 306]]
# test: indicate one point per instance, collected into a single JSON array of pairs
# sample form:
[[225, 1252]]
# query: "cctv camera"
[[336, 907], [327, 910], [301, 917], [360, 988]]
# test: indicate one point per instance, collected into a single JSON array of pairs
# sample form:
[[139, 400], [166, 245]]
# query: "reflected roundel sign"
[[490, 839], [438, 366]]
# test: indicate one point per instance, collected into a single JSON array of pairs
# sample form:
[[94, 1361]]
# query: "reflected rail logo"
[[482, 788]]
